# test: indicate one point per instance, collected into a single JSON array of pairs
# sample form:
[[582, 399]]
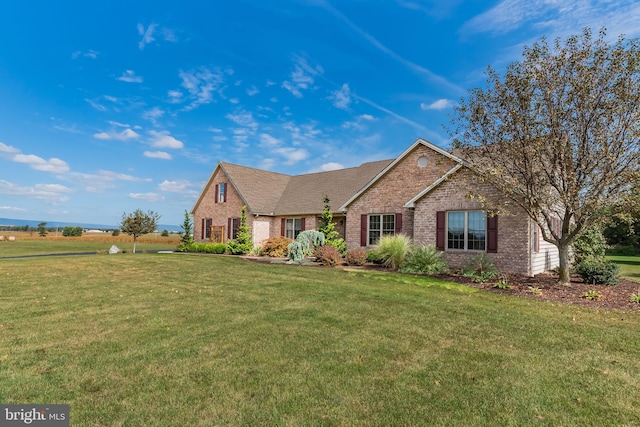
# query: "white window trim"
[[381, 231], [465, 231]]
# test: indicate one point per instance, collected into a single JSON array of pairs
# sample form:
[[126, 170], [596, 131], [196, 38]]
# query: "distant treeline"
[[30, 229]]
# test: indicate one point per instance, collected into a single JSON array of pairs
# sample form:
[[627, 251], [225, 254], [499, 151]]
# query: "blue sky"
[[107, 107]]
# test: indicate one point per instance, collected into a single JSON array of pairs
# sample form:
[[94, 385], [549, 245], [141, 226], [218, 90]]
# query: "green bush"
[[244, 242], [115, 233], [209, 248], [276, 247], [599, 273], [70, 231], [356, 256], [481, 264], [393, 249], [305, 245], [589, 246], [165, 233], [374, 257], [425, 259], [328, 255]]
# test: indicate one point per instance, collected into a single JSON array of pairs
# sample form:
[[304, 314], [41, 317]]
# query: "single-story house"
[[423, 193]]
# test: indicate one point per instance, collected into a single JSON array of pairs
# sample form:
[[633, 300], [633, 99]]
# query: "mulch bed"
[[616, 296]]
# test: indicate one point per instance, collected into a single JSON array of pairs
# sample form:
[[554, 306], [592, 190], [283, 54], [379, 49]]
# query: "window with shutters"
[[222, 189], [292, 227], [208, 222], [467, 230], [235, 223], [380, 225]]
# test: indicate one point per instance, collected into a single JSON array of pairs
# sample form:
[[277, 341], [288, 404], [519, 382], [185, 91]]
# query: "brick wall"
[[513, 227], [218, 212], [395, 188]]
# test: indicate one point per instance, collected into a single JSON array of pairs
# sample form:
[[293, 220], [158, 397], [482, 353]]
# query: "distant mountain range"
[[8, 222]]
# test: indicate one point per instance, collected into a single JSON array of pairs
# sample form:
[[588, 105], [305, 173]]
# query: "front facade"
[[426, 193]]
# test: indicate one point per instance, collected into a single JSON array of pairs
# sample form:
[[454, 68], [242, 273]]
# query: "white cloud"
[[179, 186], [331, 166], [440, 104], [8, 149], [96, 105], [253, 91], [147, 197], [12, 209], [88, 54], [341, 97], [202, 83], [291, 155], [158, 155], [50, 193], [269, 141], [125, 135], [52, 165], [243, 118], [129, 76], [162, 139], [234, 100], [147, 35], [301, 77], [118, 124], [175, 96], [153, 114]]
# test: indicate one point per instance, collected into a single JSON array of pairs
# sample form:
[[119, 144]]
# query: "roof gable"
[[401, 157]]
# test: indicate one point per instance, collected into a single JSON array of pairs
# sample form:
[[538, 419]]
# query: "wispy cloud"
[[157, 155], [440, 104], [179, 186], [275, 146], [147, 35], [147, 197], [153, 114], [129, 76], [8, 149], [341, 97], [360, 122], [92, 54], [12, 209], [202, 83], [124, 135], [162, 139], [301, 77], [419, 69], [558, 18], [52, 165], [253, 91], [49, 193]]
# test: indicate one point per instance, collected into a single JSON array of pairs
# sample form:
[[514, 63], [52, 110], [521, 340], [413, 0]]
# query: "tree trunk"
[[134, 243], [564, 269]]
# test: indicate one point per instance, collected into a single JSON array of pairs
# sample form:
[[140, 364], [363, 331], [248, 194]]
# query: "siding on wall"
[[547, 258]]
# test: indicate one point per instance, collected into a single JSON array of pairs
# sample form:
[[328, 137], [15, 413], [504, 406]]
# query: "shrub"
[[244, 242], [635, 298], [502, 284], [305, 244], [590, 246], [374, 257], [482, 264], [70, 231], [425, 259], [328, 255], [393, 249], [276, 246], [165, 233], [356, 256], [209, 248], [592, 295], [599, 273], [115, 233]]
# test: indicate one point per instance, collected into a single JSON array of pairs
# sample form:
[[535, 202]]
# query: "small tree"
[[42, 229], [138, 223], [244, 242], [328, 228], [186, 238]]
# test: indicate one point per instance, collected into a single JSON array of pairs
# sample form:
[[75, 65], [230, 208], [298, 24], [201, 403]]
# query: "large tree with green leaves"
[[138, 223], [558, 134]]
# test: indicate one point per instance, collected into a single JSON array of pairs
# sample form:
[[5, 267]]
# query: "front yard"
[[198, 340]]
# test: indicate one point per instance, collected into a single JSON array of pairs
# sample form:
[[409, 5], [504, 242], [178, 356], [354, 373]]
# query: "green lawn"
[[629, 266], [187, 340], [52, 246]]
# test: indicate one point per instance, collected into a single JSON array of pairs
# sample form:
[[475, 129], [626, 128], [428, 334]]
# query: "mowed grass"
[[32, 244], [175, 339], [629, 266]]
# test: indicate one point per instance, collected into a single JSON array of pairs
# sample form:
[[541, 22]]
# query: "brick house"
[[423, 193]]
